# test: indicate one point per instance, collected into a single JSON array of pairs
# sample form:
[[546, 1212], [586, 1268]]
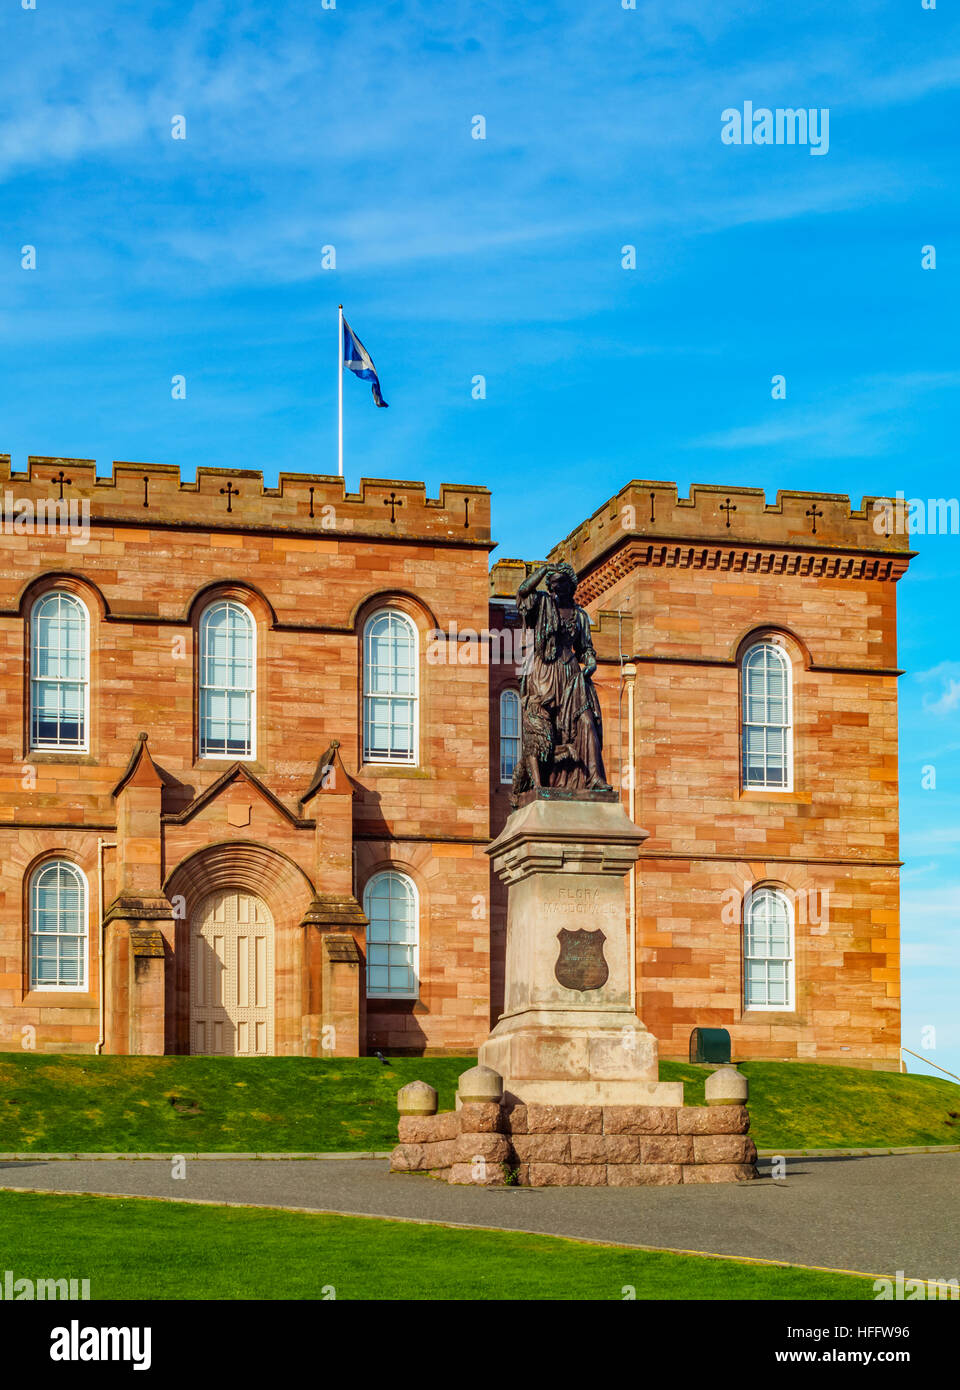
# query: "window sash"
[[228, 682], [390, 703], [58, 928], [509, 734], [766, 716], [768, 954], [59, 674], [390, 904]]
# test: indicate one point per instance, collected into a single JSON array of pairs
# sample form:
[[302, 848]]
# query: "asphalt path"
[[875, 1215]]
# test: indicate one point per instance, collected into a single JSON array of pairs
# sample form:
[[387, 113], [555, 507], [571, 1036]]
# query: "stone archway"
[[240, 869]]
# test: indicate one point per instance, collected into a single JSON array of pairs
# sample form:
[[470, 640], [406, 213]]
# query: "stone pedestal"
[[568, 1034], [490, 1144]]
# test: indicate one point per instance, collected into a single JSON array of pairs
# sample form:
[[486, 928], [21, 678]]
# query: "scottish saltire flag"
[[356, 357]]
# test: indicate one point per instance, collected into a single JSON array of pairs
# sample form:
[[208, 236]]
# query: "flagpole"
[[340, 389]]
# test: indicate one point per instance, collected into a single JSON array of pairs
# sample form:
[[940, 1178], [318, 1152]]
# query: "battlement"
[[235, 499], [506, 576], [736, 517]]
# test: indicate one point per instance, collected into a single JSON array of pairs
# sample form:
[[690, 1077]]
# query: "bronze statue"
[[561, 727]]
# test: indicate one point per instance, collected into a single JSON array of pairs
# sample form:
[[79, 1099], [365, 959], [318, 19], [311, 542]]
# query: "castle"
[[256, 741]]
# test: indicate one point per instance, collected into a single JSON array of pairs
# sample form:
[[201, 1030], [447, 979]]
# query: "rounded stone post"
[[417, 1098], [726, 1086], [480, 1086]]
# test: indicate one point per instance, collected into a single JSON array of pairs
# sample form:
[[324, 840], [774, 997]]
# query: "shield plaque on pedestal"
[[581, 964]]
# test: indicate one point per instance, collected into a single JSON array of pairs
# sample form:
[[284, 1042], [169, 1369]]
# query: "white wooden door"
[[231, 976]]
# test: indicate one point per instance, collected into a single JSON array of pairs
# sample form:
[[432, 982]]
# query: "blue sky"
[[351, 127]]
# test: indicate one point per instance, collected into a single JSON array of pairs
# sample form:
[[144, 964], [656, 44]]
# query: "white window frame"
[[413, 758], [373, 993], [787, 786], [42, 986], [35, 680], [202, 750], [790, 960], [514, 695]]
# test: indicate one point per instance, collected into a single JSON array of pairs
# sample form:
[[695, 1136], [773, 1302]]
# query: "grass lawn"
[[56, 1104], [59, 1104], [805, 1105], [135, 1249]]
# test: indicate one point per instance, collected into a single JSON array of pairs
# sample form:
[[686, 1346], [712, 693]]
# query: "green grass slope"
[[134, 1249], [805, 1105], [57, 1104]]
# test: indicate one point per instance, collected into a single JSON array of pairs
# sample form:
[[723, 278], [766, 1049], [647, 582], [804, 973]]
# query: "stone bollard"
[[480, 1086], [417, 1098], [726, 1086]]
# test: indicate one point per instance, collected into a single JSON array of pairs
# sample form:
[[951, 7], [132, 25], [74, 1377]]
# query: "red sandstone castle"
[[256, 741]]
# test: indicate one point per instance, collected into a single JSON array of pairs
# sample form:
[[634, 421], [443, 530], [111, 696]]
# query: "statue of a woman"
[[561, 727]]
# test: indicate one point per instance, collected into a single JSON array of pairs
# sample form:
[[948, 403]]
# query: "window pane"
[[389, 902], [389, 687], [766, 717], [58, 672], [777, 993], [756, 708], [768, 963], [227, 681], [509, 734], [58, 927]]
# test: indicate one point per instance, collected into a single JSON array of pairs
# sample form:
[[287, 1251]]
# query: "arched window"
[[767, 718], [58, 927], [768, 955], [509, 733], [228, 681], [390, 904], [59, 673], [389, 688]]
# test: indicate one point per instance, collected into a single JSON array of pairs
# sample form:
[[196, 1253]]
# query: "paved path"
[[877, 1215]]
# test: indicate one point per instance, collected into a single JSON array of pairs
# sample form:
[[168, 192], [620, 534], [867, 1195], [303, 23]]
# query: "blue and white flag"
[[356, 357]]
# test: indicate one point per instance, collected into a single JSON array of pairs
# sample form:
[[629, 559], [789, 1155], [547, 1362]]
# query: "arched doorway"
[[232, 976]]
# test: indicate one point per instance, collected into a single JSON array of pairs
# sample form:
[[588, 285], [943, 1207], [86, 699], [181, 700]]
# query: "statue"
[[561, 728]]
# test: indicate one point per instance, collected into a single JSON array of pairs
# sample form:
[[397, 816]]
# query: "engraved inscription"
[[579, 902], [581, 964]]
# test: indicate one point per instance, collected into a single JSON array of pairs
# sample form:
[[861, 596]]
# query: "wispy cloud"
[[290, 167], [857, 426], [940, 835], [947, 675]]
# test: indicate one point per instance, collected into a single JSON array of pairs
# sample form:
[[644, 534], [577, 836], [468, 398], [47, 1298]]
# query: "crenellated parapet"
[[506, 576], [150, 494], [735, 528]]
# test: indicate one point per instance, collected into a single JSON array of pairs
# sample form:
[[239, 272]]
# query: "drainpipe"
[[629, 676], [101, 846]]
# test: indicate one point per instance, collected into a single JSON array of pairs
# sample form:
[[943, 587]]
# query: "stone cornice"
[[634, 552], [329, 911]]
